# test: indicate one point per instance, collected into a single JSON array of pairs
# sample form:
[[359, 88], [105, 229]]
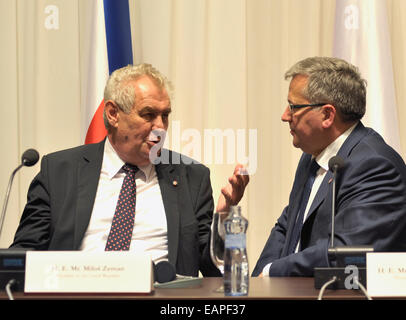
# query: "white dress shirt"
[[150, 225], [322, 160]]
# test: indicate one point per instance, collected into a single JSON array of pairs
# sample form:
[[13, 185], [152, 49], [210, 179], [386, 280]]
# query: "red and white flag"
[[109, 48]]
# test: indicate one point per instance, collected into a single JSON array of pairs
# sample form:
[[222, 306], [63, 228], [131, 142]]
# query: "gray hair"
[[118, 90], [333, 81]]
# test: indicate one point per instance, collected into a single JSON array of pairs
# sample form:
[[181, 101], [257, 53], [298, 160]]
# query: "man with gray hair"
[[326, 101], [110, 196]]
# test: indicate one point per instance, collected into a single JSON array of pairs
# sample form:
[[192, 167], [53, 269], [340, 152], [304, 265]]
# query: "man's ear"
[[112, 115], [329, 114]]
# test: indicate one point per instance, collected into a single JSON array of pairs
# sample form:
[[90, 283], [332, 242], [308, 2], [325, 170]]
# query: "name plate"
[[386, 274], [84, 272]]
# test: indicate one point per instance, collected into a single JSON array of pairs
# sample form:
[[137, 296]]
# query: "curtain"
[[226, 59]]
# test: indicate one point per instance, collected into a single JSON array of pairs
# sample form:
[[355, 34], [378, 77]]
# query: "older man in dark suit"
[[114, 196], [326, 102]]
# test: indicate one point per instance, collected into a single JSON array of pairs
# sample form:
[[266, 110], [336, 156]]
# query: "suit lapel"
[[321, 194], [356, 135], [169, 184], [89, 167]]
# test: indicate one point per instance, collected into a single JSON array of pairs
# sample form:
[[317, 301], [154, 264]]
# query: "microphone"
[[343, 256], [164, 271], [28, 159], [334, 164], [165, 277]]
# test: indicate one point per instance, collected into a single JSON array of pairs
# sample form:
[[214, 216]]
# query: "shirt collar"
[[332, 149], [112, 163]]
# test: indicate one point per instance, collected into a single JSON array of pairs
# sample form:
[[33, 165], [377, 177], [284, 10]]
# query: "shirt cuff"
[[265, 270]]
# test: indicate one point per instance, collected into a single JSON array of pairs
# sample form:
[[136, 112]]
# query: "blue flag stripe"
[[118, 33]]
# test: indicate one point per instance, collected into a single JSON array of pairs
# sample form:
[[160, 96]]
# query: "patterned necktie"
[[294, 239], [123, 220]]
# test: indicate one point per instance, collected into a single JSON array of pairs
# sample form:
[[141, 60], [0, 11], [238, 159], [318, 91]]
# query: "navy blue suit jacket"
[[370, 208], [61, 197]]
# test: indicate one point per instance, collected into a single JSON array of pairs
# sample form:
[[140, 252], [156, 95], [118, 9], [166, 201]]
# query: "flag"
[[110, 49], [361, 37]]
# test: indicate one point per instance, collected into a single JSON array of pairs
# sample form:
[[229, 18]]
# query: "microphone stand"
[[11, 278], [12, 261], [333, 206], [346, 258], [28, 159], [10, 183]]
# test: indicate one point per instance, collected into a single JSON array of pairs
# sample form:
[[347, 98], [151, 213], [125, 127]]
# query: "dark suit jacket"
[[370, 208], [61, 197]]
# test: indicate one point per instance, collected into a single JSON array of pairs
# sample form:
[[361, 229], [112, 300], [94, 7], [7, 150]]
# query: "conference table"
[[275, 288]]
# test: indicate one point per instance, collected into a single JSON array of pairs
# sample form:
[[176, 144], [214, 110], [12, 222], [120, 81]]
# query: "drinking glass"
[[217, 243]]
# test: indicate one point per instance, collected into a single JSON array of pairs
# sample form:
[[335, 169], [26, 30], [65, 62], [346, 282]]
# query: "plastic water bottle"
[[236, 273]]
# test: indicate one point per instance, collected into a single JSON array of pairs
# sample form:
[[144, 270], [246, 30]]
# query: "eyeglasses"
[[292, 107]]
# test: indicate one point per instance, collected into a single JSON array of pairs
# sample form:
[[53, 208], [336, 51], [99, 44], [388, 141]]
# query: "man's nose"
[[286, 115], [159, 123]]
